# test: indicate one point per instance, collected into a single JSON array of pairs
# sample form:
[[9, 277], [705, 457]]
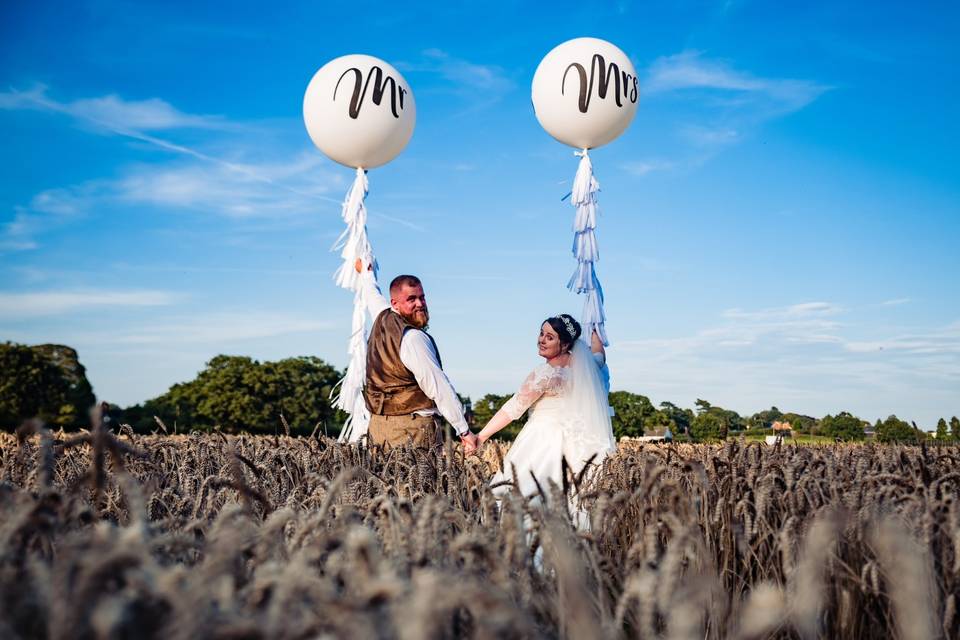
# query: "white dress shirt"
[[418, 354]]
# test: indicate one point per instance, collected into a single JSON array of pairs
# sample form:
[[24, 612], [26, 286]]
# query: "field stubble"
[[213, 536]]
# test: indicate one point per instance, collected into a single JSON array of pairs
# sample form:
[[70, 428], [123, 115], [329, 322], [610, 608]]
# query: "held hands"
[[470, 443]]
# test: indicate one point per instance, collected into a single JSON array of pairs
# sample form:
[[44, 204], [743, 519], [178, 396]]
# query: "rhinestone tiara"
[[568, 324]]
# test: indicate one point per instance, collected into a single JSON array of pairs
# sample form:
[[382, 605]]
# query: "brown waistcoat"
[[391, 389]]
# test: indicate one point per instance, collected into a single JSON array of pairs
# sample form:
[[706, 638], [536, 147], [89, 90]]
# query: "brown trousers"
[[420, 431]]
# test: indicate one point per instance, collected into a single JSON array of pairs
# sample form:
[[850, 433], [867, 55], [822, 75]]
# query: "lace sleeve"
[[530, 391]]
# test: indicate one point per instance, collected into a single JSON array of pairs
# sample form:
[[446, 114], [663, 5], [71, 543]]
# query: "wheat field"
[[108, 535]]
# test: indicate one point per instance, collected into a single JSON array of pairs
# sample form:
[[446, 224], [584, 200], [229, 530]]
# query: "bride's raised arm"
[[530, 391], [596, 346]]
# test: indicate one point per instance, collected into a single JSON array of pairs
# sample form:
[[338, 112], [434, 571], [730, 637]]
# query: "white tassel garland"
[[585, 249], [353, 245]]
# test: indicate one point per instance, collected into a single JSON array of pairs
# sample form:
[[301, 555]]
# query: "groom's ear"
[[393, 297]]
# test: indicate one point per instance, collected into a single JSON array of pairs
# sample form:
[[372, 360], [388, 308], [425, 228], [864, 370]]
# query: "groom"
[[406, 389]]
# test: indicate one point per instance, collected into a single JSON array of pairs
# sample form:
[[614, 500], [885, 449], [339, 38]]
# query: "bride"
[[569, 413]]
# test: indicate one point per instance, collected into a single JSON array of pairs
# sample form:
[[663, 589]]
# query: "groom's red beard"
[[419, 319]]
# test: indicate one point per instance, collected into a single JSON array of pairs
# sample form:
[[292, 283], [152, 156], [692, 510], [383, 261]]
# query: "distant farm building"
[[659, 433], [781, 430]]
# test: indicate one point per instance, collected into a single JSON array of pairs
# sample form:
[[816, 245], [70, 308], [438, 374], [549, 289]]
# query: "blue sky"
[[780, 223]]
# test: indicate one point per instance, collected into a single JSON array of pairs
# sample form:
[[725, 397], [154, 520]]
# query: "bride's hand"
[[470, 444], [477, 443]]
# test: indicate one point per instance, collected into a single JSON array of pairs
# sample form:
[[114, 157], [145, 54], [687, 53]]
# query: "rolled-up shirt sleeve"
[[419, 356], [372, 298]]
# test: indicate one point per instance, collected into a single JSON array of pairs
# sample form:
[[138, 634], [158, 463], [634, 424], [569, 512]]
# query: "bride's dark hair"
[[568, 329]]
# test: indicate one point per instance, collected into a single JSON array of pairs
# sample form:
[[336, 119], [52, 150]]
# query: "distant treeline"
[[239, 394]]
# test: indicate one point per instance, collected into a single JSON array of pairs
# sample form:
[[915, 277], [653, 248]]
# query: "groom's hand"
[[469, 443]]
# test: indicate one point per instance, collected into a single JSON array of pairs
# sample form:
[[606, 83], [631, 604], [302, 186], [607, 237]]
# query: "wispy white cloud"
[[478, 86], [804, 323], [113, 113], [160, 347], [727, 104], [179, 332], [376, 214], [199, 181], [308, 187], [702, 136], [895, 302], [18, 233], [220, 328], [795, 311], [691, 70], [18, 306], [944, 341], [290, 190], [135, 119], [160, 268], [810, 357], [643, 167], [31, 275], [459, 73], [222, 190], [47, 209]]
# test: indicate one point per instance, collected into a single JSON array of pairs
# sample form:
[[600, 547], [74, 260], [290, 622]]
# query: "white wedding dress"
[[569, 418]]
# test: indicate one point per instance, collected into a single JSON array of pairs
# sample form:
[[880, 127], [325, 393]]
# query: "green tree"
[[658, 424], [680, 417], [630, 412], [714, 423], [843, 426], [801, 423], [763, 419], [242, 394], [955, 428], [708, 425], [733, 420], [942, 433], [46, 382], [893, 429]]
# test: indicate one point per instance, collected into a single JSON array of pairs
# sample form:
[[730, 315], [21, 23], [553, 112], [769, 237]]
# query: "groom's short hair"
[[399, 281]]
